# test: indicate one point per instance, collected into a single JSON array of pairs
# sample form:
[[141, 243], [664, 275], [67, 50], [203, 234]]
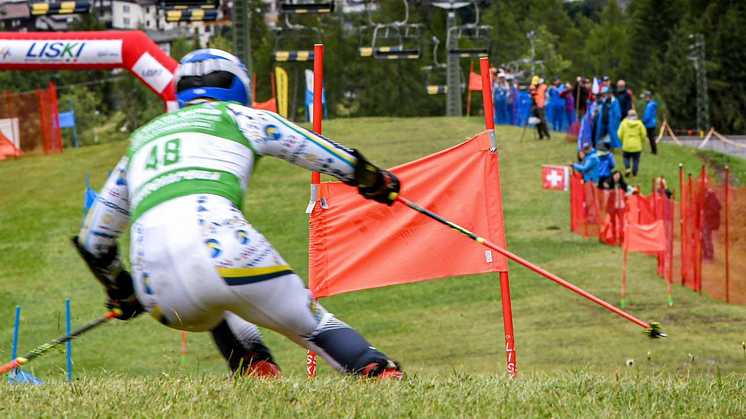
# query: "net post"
[[701, 227], [727, 235], [318, 114], [489, 116], [682, 202], [670, 255]]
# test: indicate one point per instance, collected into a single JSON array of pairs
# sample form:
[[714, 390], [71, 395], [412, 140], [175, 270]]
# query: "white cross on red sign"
[[555, 177]]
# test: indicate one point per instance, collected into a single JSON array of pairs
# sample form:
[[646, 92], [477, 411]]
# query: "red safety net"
[[359, 244], [601, 213], [705, 230], [29, 122]]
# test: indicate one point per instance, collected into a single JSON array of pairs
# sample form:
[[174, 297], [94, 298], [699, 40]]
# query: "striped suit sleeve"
[[272, 135]]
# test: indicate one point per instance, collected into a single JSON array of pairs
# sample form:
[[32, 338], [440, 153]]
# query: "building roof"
[[15, 10], [169, 35]]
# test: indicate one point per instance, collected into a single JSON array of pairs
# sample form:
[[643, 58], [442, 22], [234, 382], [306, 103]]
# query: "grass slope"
[[434, 328]]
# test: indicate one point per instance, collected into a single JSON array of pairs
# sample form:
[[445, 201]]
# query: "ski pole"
[[653, 329], [41, 350]]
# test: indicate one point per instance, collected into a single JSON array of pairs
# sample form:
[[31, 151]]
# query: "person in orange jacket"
[[538, 90]]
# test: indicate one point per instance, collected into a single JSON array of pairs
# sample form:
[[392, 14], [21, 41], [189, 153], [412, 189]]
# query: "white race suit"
[[197, 264]]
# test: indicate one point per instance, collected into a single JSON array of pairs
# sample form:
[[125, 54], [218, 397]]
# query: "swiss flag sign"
[[555, 178]]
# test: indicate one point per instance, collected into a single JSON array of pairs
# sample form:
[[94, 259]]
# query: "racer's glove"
[[373, 182], [116, 281]]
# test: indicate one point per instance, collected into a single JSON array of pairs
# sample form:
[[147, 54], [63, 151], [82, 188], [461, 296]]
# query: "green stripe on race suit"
[[211, 118], [183, 182]]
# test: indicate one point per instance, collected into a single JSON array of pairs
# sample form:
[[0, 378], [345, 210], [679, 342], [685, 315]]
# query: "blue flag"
[[21, 377]]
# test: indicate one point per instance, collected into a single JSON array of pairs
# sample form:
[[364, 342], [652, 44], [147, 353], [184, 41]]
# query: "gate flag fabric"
[[359, 244], [556, 178], [645, 237]]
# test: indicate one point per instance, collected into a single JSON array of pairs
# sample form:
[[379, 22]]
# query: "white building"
[[134, 14]]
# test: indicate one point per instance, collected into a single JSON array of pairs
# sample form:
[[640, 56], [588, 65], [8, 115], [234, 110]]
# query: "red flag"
[[645, 237], [270, 105], [359, 244], [475, 81], [556, 178]]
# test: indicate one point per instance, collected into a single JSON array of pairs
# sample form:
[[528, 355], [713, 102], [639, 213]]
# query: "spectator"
[[502, 92], [538, 92], [588, 166], [605, 163], [556, 104], [624, 97], [661, 187], [616, 181], [579, 95], [606, 82], [648, 119], [513, 100], [632, 133], [608, 118], [569, 105], [710, 222]]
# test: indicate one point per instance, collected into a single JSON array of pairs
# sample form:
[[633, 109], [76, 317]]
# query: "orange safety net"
[[29, 122], [602, 213], [705, 231], [359, 244]]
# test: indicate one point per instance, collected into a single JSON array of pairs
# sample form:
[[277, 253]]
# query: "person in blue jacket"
[[648, 119], [556, 106], [589, 164], [609, 115], [606, 163]]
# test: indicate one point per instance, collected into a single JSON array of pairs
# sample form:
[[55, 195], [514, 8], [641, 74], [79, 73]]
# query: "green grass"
[[447, 332]]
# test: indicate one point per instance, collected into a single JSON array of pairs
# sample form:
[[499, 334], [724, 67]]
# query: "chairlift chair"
[[397, 42], [292, 42], [306, 6], [436, 75], [189, 5], [477, 37]]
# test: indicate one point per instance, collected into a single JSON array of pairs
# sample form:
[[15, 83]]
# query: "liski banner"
[[555, 178]]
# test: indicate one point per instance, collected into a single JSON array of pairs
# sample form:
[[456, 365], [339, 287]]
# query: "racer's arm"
[[272, 135], [97, 242]]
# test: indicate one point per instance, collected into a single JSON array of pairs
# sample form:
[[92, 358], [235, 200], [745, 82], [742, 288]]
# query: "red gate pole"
[[318, 114], [489, 122], [727, 236], [682, 200]]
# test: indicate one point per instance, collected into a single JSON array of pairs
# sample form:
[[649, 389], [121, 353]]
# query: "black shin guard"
[[240, 351], [349, 348]]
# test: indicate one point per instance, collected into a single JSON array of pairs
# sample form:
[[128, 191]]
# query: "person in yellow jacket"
[[632, 133]]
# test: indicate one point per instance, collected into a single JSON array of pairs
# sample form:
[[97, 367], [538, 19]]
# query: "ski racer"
[[197, 264]]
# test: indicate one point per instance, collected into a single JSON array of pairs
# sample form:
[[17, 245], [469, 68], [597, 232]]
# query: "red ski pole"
[[652, 329]]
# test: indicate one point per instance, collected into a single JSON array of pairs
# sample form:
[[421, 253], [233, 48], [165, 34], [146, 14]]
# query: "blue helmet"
[[214, 74]]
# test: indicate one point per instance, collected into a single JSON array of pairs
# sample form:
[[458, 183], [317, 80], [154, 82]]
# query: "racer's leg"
[[242, 346], [284, 304]]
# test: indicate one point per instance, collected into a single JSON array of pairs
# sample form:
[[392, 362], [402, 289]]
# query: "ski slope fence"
[[705, 229]]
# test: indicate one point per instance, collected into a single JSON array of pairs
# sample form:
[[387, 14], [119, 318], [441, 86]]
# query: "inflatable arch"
[[132, 50]]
